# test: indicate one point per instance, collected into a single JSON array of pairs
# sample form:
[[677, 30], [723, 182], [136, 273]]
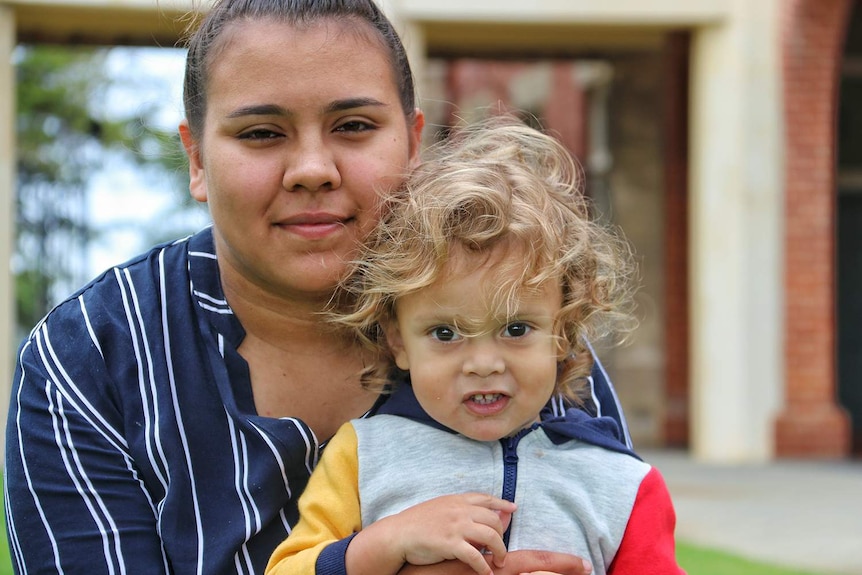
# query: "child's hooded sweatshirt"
[[578, 489]]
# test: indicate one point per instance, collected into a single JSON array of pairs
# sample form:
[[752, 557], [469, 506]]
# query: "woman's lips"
[[314, 227]]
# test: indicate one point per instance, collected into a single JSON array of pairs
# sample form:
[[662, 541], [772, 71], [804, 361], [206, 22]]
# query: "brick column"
[[676, 61], [811, 424]]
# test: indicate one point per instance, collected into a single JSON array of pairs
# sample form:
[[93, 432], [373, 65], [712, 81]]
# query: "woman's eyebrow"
[[275, 110], [350, 103], [258, 110]]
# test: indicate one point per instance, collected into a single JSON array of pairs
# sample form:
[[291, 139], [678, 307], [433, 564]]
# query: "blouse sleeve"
[[74, 501]]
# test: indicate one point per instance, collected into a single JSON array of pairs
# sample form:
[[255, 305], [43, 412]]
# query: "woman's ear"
[[197, 177], [415, 144], [396, 345]]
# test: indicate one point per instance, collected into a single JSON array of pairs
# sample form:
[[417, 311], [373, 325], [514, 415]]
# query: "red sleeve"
[[648, 546]]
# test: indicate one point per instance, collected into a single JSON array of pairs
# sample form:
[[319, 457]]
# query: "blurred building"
[[723, 136]]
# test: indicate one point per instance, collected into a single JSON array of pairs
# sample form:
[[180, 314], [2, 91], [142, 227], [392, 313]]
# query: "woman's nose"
[[311, 166], [483, 359]]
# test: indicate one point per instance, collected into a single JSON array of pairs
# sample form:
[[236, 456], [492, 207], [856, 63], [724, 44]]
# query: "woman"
[[165, 418]]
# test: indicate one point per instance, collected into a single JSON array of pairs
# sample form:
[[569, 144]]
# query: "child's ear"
[[396, 345]]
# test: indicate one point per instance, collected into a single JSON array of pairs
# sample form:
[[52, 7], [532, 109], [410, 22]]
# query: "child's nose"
[[483, 359]]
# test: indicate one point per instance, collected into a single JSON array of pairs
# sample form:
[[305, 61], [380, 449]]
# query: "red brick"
[[811, 424]]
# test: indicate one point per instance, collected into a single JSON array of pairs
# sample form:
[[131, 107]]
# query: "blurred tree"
[[66, 129]]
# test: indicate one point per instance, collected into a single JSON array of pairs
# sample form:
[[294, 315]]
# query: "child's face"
[[490, 376]]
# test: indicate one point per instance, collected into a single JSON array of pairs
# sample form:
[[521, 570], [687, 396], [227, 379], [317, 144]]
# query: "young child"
[[481, 288]]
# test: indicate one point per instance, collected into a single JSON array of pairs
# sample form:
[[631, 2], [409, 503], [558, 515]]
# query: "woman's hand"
[[467, 527], [517, 563]]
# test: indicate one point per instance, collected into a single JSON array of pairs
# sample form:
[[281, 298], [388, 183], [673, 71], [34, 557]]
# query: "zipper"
[[510, 471]]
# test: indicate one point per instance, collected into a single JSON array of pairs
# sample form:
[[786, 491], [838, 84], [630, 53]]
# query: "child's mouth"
[[485, 398]]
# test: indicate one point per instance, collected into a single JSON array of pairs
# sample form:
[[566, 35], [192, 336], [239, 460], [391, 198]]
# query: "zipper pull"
[[510, 448]]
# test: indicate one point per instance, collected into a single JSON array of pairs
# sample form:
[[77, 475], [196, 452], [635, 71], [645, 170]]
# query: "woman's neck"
[[300, 365], [276, 316]]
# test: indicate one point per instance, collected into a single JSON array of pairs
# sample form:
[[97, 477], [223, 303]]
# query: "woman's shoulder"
[[131, 287], [130, 314]]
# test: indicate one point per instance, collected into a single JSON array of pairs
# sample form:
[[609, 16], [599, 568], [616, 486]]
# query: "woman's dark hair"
[[205, 38]]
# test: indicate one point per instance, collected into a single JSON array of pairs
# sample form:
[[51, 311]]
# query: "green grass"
[[5, 561], [701, 561], [695, 560]]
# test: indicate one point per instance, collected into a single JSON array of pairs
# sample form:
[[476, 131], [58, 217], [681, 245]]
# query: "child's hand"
[[466, 527]]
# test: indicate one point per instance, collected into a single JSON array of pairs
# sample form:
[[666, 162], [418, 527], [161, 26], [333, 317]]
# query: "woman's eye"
[[259, 135], [443, 333], [355, 126], [517, 329]]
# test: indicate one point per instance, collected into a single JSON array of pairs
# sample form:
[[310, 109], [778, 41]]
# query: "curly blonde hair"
[[494, 183]]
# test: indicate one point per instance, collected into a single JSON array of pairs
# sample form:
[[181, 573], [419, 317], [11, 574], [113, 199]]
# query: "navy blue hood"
[[574, 424]]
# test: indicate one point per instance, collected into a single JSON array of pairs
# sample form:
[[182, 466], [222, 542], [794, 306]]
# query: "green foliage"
[[58, 129], [30, 286], [66, 129]]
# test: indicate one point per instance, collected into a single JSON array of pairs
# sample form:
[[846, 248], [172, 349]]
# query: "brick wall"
[[631, 194], [676, 417], [811, 424]]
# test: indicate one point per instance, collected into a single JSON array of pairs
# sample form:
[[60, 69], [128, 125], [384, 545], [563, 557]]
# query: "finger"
[[490, 502], [496, 520], [485, 536], [496, 549], [505, 519], [473, 558], [489, 543], [535, 561], [587, 570]]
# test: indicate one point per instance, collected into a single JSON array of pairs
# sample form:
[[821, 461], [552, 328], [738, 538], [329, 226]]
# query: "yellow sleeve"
[[328, 508]]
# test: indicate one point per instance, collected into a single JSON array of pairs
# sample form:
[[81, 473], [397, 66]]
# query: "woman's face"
[[303, 130]]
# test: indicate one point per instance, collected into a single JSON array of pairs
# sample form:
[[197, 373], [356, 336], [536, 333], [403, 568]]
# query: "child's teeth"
[[486, 397]]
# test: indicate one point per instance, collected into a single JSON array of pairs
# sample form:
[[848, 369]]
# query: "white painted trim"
[[736, 242], [612, 12], [7, 213]]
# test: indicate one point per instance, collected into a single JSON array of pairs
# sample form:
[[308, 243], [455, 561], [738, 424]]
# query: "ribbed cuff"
[[332, 560]]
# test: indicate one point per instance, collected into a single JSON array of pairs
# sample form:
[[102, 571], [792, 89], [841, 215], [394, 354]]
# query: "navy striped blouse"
[[133, 444]]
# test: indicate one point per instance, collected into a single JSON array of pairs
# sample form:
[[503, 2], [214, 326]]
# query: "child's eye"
[[443, 333], [517, 329]]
